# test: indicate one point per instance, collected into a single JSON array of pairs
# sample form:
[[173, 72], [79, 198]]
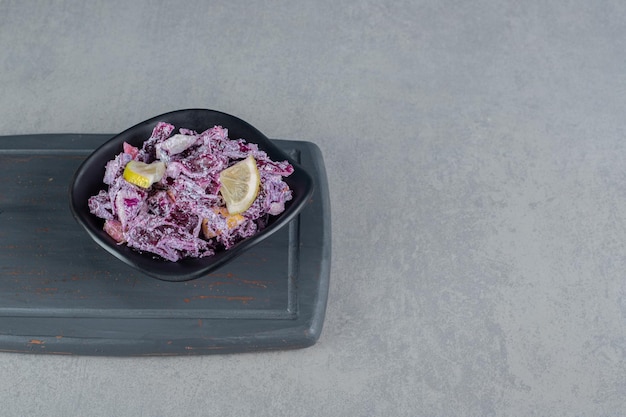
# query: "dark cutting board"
[[60, 293]]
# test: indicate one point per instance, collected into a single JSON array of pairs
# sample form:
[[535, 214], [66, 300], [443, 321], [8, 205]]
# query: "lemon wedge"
[[240, 185], [142, 174]]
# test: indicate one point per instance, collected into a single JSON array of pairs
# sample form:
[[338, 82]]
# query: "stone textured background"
[[477, 166]]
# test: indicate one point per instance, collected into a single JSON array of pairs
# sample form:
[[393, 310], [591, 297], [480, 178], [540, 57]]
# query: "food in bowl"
[[189, 194]]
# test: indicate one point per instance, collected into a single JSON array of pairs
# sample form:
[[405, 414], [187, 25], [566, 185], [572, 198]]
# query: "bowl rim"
[[188, 268]]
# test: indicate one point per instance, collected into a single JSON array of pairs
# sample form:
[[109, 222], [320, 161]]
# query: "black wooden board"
[[60, 293]]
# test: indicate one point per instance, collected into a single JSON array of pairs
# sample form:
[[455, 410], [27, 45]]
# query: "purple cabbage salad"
[[183, 215]]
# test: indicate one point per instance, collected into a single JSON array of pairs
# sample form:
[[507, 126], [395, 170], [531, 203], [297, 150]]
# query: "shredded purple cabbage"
[[183, 215]]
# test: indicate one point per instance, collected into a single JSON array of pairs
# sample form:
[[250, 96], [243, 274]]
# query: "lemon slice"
[[240, 185], [142, 174]]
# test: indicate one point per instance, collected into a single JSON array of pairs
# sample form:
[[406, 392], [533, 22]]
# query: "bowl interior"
[[87, 181]]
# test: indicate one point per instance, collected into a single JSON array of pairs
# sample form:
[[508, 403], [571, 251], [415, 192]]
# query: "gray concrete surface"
[[476, 156]]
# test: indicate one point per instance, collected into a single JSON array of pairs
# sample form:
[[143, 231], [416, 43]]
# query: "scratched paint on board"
[[62, 294]]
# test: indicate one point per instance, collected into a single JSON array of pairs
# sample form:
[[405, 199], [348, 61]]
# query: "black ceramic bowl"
[[87, 181]]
